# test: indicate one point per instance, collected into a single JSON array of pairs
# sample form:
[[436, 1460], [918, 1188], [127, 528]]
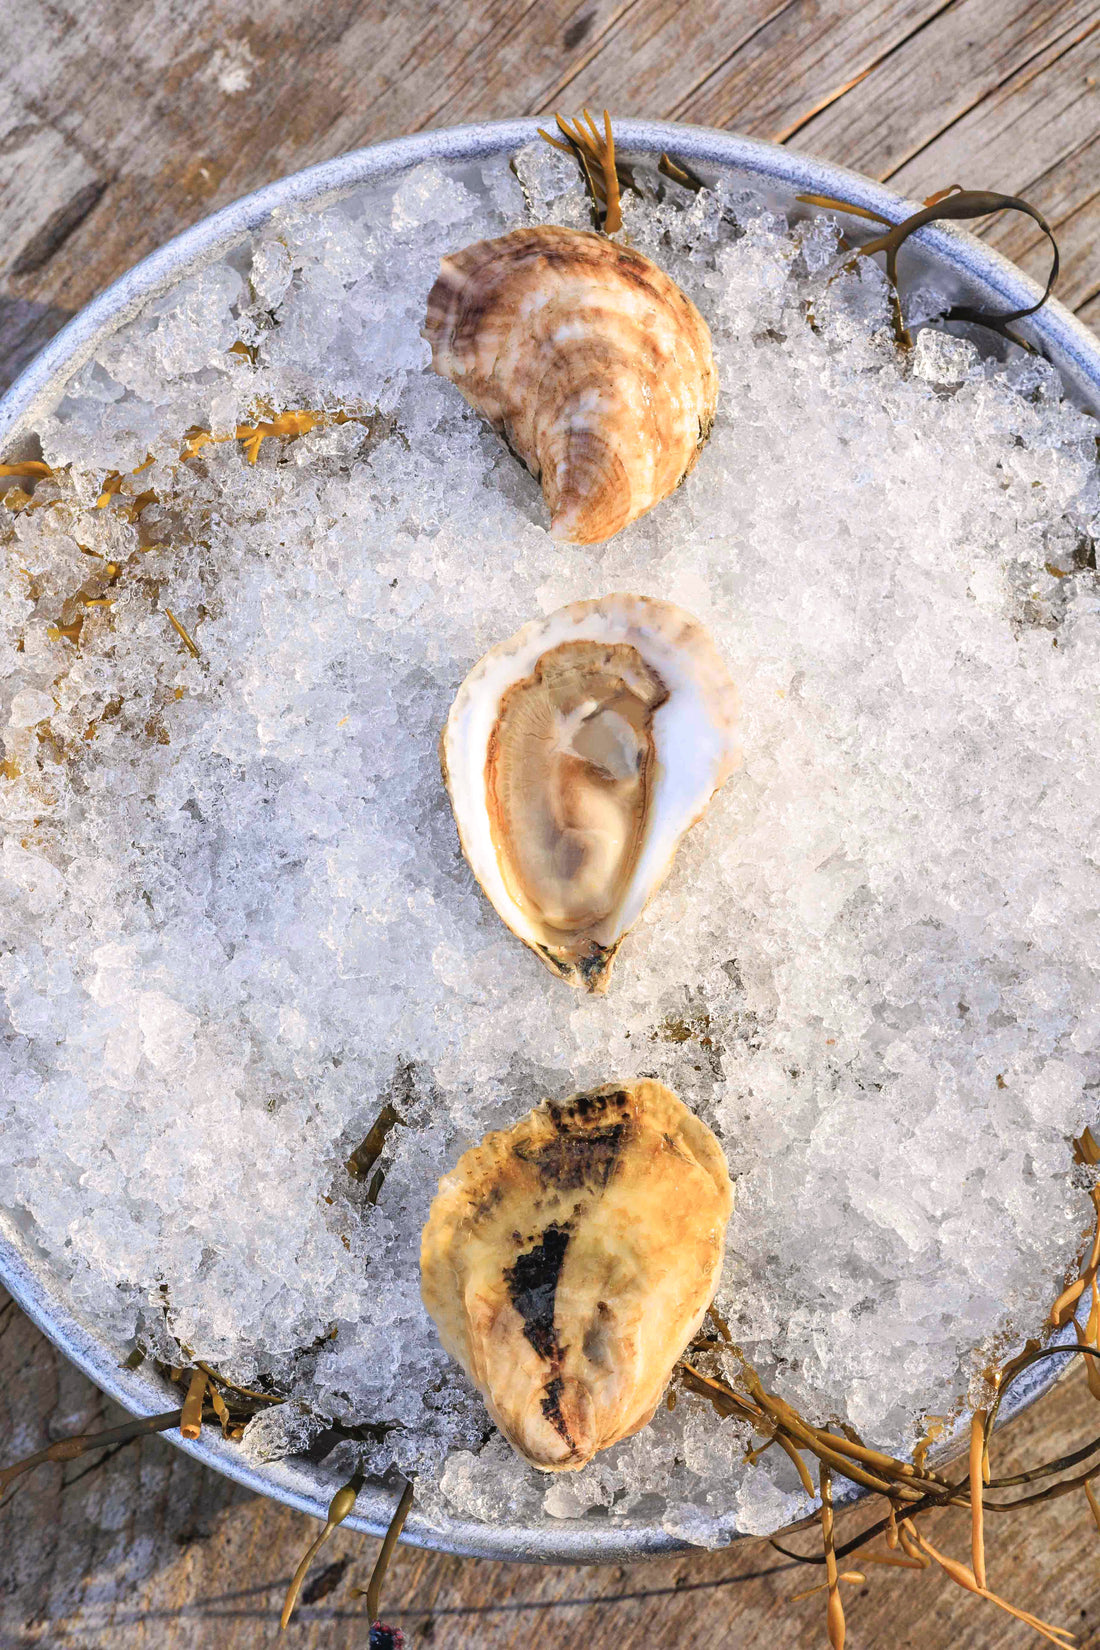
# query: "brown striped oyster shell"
[[587, 359], [569, 1260]]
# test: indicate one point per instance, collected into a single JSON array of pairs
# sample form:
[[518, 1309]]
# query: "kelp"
[[97, 590], [953, 203], [338, 1509], [373, 1590], [69, 1449], [204, 1387], [191, 1413], [834, 1609], [401, 1094], [181, 633], [285, 426], [679, 173], [369, 1150], [594, 152], [213, 1399]]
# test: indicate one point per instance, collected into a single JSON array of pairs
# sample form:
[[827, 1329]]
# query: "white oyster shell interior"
[[576, 755]]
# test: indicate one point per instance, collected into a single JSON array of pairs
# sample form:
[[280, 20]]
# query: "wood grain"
[[150, 1550], [124, 121], [1038, 135], [937, 75], [755, 68], [1089, 311]]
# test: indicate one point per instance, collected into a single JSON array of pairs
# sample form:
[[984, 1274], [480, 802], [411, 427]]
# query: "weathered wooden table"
[[123, 121]]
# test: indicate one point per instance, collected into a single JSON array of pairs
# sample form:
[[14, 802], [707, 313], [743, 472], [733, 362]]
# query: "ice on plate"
[[237, 920]]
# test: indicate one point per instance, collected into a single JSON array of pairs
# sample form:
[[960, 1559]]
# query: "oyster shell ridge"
[[587, 359], [568, 1260]]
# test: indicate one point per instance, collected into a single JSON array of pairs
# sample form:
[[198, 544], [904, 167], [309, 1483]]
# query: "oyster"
[[568, 1261], [576, 755], [589, 361]]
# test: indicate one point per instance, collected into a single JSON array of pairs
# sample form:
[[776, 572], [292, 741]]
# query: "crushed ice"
[[237, 918]]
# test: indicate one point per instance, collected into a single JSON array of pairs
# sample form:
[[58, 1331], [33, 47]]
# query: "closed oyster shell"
[[589, 361], [576, 754], [569, 1260]]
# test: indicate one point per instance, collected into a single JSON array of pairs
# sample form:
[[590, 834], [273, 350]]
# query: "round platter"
[[966, 269]]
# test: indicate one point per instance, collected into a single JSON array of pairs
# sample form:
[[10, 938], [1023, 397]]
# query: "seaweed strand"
[[834, 1609], [373, 1590], [339, 1508], [191, 1413], [68, 1449], [911, 1489], [967, 1580], [594, 152], [977, 1526], [950, 204], [367, 1153]]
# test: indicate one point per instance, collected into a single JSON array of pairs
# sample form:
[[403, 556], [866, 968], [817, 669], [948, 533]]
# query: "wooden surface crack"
[[827, 102], [56, 231], [1043, 61], [551, 94], [712, 74]]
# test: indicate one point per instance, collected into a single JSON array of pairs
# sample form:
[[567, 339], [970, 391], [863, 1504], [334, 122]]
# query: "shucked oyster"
[[589, 361], [568, 1261], [576, 755]]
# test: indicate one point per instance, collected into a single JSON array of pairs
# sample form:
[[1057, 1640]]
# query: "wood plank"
[[1024, 131], [937, 75], [1089, 311], [150, 1550], [47, 186], [1035, 136], [505, 78], [24, 328], [753, 70], [645, 59], [795, 67]]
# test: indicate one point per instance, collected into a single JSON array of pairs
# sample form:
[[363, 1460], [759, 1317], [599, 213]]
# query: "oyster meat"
[[589, 361], [569, 1260], [576, 755]]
